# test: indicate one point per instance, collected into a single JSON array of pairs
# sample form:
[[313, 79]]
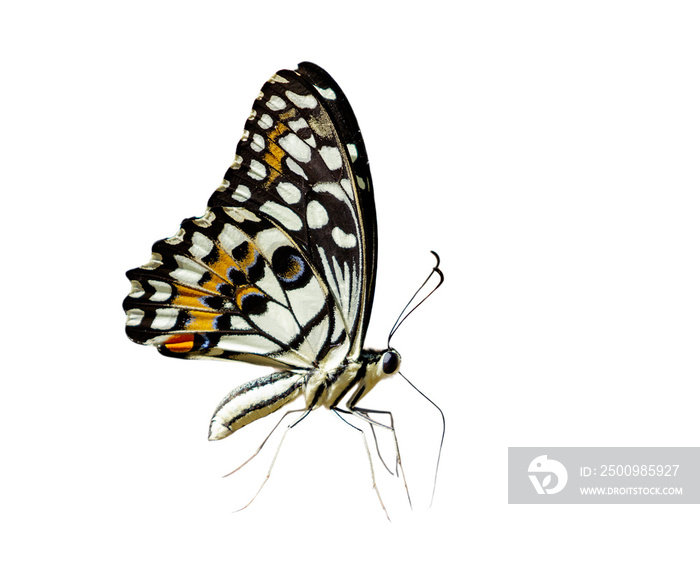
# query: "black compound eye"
[[390, 362]]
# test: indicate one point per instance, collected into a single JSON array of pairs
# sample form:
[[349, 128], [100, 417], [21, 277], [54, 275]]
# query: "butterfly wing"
[[280, 269]]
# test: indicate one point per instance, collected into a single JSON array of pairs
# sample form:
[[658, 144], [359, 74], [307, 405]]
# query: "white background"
[[547, 150]]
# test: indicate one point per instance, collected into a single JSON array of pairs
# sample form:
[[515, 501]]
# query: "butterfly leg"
[[390, 427], [374, 436], [363, 414], [255, 454], [274, 459], [379, 453], [337, 412]]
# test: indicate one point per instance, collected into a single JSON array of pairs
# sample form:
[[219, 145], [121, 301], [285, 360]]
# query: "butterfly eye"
[[390, 362]]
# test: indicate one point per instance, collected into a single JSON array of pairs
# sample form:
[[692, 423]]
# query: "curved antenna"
[[402, 316], [442, 438]]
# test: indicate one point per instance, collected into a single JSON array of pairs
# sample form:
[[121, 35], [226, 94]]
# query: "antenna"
[[402, 316], [436, 270]]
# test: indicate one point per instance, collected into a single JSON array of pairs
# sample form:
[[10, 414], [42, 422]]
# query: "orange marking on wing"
[[181, 343], [188, 297], [211, 284], [293, 270], [220, 267], [273, 156], [202, 321]]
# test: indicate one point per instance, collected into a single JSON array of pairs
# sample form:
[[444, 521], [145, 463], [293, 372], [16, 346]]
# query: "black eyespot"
[[390, 362], [290, 268]]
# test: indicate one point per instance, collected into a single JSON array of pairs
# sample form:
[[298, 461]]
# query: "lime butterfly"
[[281, 268]]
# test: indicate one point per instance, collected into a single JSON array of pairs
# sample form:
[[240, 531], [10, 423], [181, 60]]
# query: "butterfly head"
[[380, 365], [390, 361]]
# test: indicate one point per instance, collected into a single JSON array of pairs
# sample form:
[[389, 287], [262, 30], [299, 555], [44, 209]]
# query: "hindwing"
[[281, 267]]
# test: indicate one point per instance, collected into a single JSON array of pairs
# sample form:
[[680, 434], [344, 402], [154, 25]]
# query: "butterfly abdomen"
[[254, 400]]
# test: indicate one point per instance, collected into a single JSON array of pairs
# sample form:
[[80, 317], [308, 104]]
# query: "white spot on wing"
[[258, 143], [294, 167], [188, 271], [352, 150], [289, 192], [241, 194], [284, 215], [276, 103], [302, 102], [295, 147], [163, 290], [271, 239], [327, 93], [331, 156], [343, 239], [257, 170], [265, 122], [329, 187], [299, 124], [201, 246], [165, 319], [230, 237], [134, 317], [316, 215]]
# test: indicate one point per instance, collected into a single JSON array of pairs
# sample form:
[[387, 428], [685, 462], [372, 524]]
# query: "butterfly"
[[281, 268]]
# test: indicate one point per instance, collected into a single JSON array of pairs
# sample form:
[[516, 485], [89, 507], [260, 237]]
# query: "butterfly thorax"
[[361, 375]]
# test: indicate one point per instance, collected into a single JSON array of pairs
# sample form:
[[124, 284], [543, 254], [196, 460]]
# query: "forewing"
[[302, 163], [281, 268]]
